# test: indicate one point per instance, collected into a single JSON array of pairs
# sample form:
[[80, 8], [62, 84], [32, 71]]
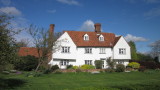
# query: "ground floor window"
[[88, 62], [64, 62], [120, 62]]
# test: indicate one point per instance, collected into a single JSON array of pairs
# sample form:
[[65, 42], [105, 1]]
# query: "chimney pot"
[[97, 27]]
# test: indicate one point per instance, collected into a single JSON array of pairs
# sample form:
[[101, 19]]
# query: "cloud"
[[51, 11], [69, 2], [10, 11], [88, 25], [5, 2], [155, 12], [130, 37]]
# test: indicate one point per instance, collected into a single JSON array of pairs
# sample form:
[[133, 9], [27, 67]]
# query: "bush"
[[142, 68], [47, 71], [26, 63], [87, 67], [134, 65], [120, 68], [54, 67], [75, 67], [98, 64], [9, 67], [109, 70], [69, 66]]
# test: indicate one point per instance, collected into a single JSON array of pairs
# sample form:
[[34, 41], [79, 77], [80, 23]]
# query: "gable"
[[121, 42]]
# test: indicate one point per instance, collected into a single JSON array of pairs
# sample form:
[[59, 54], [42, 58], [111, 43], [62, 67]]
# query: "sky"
[[136, 20]]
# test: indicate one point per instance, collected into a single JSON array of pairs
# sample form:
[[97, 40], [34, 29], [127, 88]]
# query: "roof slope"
[[24, 51], [77, 37]]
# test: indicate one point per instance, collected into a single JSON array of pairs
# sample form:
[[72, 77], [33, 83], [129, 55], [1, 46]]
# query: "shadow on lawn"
[[10, 83]]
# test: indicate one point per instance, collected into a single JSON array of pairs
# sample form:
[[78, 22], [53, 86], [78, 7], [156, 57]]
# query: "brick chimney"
[[51, 29], [97, 27]]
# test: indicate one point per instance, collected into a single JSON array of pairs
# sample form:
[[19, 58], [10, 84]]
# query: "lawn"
[[149, 80]]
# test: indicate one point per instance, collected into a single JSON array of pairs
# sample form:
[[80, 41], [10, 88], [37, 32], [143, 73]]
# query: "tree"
[[111, 63], [8, 51], [22, 43], [133, 50], [155, 52], [45, 43]]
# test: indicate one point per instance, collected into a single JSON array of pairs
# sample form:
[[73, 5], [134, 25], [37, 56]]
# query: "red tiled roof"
[[116, 39], [24, 51], [77, 37]]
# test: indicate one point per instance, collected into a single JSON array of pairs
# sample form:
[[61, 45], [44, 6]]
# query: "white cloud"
[[130, 37], [69, 2], [5, 2], [155, 12], [51, 11], [88, 25], [10, 11]]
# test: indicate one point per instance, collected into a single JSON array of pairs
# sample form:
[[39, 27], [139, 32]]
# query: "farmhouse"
[[81, 47]]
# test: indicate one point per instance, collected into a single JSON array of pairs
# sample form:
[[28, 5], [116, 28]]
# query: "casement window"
[[64, 62], [102, 50], [101, 38], [120, 62], [88, 50], [88, 62], [86, 37], [65, 49], [122, 51]]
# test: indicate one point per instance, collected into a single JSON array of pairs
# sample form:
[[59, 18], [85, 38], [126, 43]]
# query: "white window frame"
[[86, 37], [102, 50], [64, 62], [88, 62], [88, 50], [122, 51], [65, 49], [101, 38]]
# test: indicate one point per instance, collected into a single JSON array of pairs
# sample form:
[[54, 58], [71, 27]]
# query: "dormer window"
[[101, 38], [86, 37]]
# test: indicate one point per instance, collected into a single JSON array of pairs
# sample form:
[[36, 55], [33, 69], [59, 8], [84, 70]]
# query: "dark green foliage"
[[144, 57], [26, 63], [142, 68], [47, 71], [54, 67], [69, 66], [98, 64], [133, 50], [111, 63], [120, 68]]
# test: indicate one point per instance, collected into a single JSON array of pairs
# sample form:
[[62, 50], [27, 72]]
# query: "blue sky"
[[136, 20]]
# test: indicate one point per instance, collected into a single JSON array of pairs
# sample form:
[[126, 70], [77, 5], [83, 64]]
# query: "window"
[[120, 62], [122, 51], [88, 50], [88, 62], [101, 38], [86, 37], [102, 50], [65, 49], [64, 62]]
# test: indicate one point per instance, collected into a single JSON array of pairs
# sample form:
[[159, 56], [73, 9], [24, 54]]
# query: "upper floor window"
[[122, 51], [102, 50], [88, 50], [86, 37], [65, 49], [88, 62], [101, 38]]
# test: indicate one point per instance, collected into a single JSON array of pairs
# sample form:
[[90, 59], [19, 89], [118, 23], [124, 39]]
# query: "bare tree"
[[155, 52], [45, 43], [23, 43]]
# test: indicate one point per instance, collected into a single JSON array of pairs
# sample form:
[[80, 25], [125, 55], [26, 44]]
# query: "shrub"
[[87, 67], [142, 68], [109, 70], [26, 63], [69, 66], [75, 67], [54, 67], [9, 67], [47, 71], [134, 65], [98, 64], [111, 63], [120, 68], [78, 70]]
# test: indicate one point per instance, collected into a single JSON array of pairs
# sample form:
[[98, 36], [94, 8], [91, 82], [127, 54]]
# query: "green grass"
[[149, 80]]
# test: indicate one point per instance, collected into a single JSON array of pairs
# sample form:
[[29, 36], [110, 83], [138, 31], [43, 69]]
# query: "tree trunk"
[[38, 66]]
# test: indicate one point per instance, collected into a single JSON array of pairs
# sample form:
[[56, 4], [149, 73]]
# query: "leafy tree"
[[144, 57], [111, 63], [133, 50], [7, 43]]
